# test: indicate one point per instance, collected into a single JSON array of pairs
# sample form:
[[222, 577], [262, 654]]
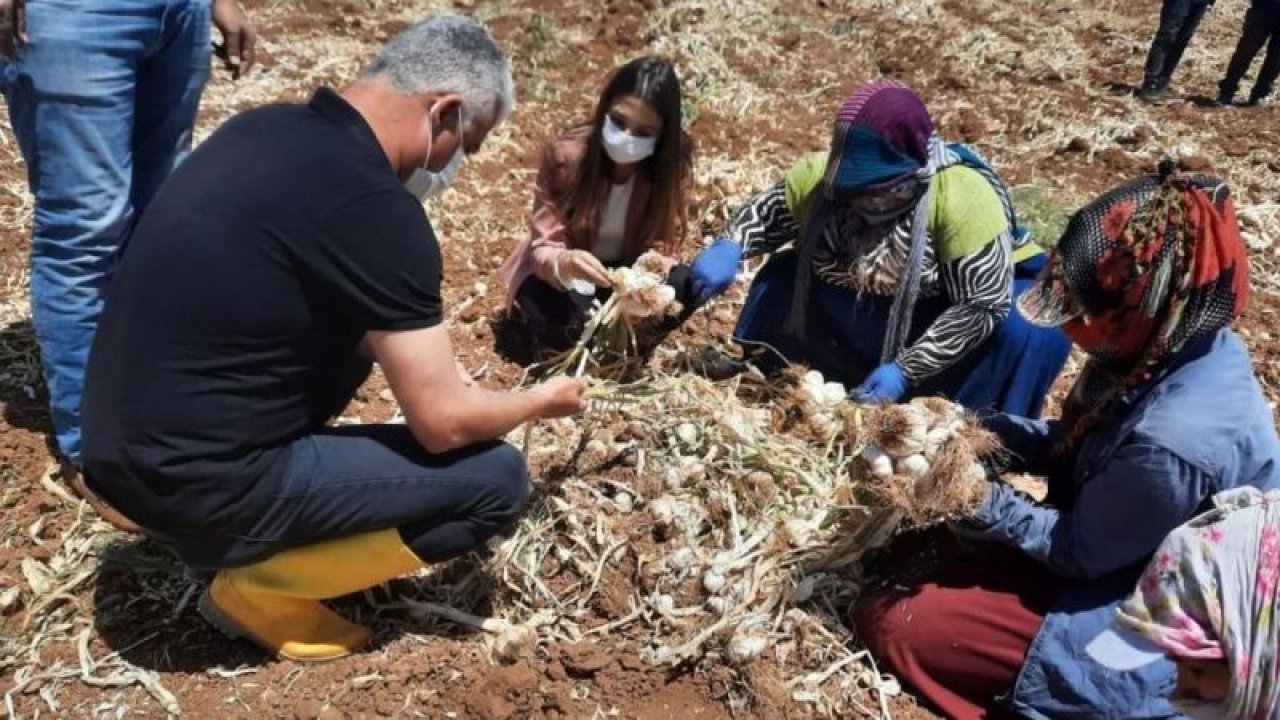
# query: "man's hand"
[[239, 38], [581, 265], [13, 27], [561, 397]]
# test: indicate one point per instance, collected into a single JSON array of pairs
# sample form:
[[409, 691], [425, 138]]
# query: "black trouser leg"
[[1178, 22], [1266, 81], [554, 317], [1252, 37]]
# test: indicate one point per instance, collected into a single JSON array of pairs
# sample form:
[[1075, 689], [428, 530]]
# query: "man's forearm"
[[477, 415]]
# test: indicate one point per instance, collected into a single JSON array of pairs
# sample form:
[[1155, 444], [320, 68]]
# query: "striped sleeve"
[[979, 286], [765, 223]]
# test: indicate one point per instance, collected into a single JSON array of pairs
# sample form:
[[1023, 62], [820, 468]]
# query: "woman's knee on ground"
[[894, 624]]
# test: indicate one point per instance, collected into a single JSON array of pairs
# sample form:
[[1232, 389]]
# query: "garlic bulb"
[[747, 645], [713, 581], [642, 291], [514, 642], [687, 434], [664, 655], [880, 463], [913, 466], [673, 477], [975, 473], [624, 502], [682, 559], [934, 441], [804, 589], [799, 531], [663, 509], [663, 603], [899, 430]]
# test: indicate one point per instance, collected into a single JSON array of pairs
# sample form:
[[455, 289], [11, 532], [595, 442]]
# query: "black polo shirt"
[[231, 327]]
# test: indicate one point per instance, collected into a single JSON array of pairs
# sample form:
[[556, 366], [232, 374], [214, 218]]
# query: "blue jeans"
[[102, 100], [360, 478]]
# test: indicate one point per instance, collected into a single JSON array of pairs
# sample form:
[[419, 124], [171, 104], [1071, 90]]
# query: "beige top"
[[610, 246]]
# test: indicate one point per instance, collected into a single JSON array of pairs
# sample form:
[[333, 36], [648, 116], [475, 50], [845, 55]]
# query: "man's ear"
[[445, 113]]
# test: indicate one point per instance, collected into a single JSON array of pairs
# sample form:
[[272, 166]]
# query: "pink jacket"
[[548, 236]]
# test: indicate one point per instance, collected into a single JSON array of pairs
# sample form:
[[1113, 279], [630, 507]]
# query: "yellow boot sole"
[[291, 628]]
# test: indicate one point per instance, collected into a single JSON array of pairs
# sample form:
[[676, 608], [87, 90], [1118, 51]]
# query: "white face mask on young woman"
[[623, 147], [426, 184]]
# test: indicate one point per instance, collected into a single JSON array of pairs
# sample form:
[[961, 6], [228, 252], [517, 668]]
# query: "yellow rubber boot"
[[275, 603]]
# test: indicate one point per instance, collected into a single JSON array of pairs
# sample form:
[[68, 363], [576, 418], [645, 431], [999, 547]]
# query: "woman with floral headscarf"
[[1166, 413], [906, 256], [1208, 602]]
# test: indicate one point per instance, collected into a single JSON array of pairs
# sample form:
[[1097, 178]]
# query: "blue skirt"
[[1010, 372]]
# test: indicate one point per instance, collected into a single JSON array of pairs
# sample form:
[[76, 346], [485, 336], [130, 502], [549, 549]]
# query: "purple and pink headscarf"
[[882, 136]]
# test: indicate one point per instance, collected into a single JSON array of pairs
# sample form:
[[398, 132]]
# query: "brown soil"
[[992, 75]]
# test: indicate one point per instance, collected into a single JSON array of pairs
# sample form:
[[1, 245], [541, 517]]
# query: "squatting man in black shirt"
[[287, 253]]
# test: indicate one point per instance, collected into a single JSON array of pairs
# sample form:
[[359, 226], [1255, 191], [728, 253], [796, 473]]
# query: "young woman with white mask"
[[607, 191]]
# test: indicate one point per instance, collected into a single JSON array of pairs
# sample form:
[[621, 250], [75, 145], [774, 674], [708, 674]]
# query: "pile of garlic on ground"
[[694, 525]]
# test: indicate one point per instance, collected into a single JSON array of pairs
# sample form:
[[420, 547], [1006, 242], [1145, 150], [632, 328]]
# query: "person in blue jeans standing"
[[102, 97]]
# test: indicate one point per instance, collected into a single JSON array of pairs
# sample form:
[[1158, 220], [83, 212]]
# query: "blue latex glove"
[[885, 384], [714, 268]]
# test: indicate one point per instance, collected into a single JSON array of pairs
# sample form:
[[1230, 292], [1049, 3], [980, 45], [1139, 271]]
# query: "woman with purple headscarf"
[[905, 259]]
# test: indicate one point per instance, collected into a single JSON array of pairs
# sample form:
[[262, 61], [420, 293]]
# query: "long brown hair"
[[651, 79]]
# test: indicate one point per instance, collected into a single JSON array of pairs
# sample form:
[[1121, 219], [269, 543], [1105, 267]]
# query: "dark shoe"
[[74, 477], [1157, 95], [1261, 102], [1225, 101], [714, 364]]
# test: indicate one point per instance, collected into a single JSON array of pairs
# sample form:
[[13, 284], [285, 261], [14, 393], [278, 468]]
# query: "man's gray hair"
[[450, 53]]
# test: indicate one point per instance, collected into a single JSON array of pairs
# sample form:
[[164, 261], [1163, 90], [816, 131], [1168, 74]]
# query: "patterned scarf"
[[1143, 272], [883, 134], [1210, 593]]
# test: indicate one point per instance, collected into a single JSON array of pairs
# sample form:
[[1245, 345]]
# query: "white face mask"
[[623, 147], [426, 184], [1201, 710]]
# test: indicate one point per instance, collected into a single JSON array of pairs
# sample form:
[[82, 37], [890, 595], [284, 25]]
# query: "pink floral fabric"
[[1210, 593]]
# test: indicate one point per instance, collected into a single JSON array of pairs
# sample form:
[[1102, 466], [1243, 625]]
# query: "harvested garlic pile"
[[927, 455], [642, 290]]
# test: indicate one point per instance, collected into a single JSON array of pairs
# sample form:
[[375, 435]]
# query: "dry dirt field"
[[96, 624]]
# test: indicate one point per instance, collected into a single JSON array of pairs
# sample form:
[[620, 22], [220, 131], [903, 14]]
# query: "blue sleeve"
[[1122, 514], [1028, 442]]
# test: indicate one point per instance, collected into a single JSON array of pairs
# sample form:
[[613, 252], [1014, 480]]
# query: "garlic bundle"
[[926, 455], [642, 290], [820, 401]]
